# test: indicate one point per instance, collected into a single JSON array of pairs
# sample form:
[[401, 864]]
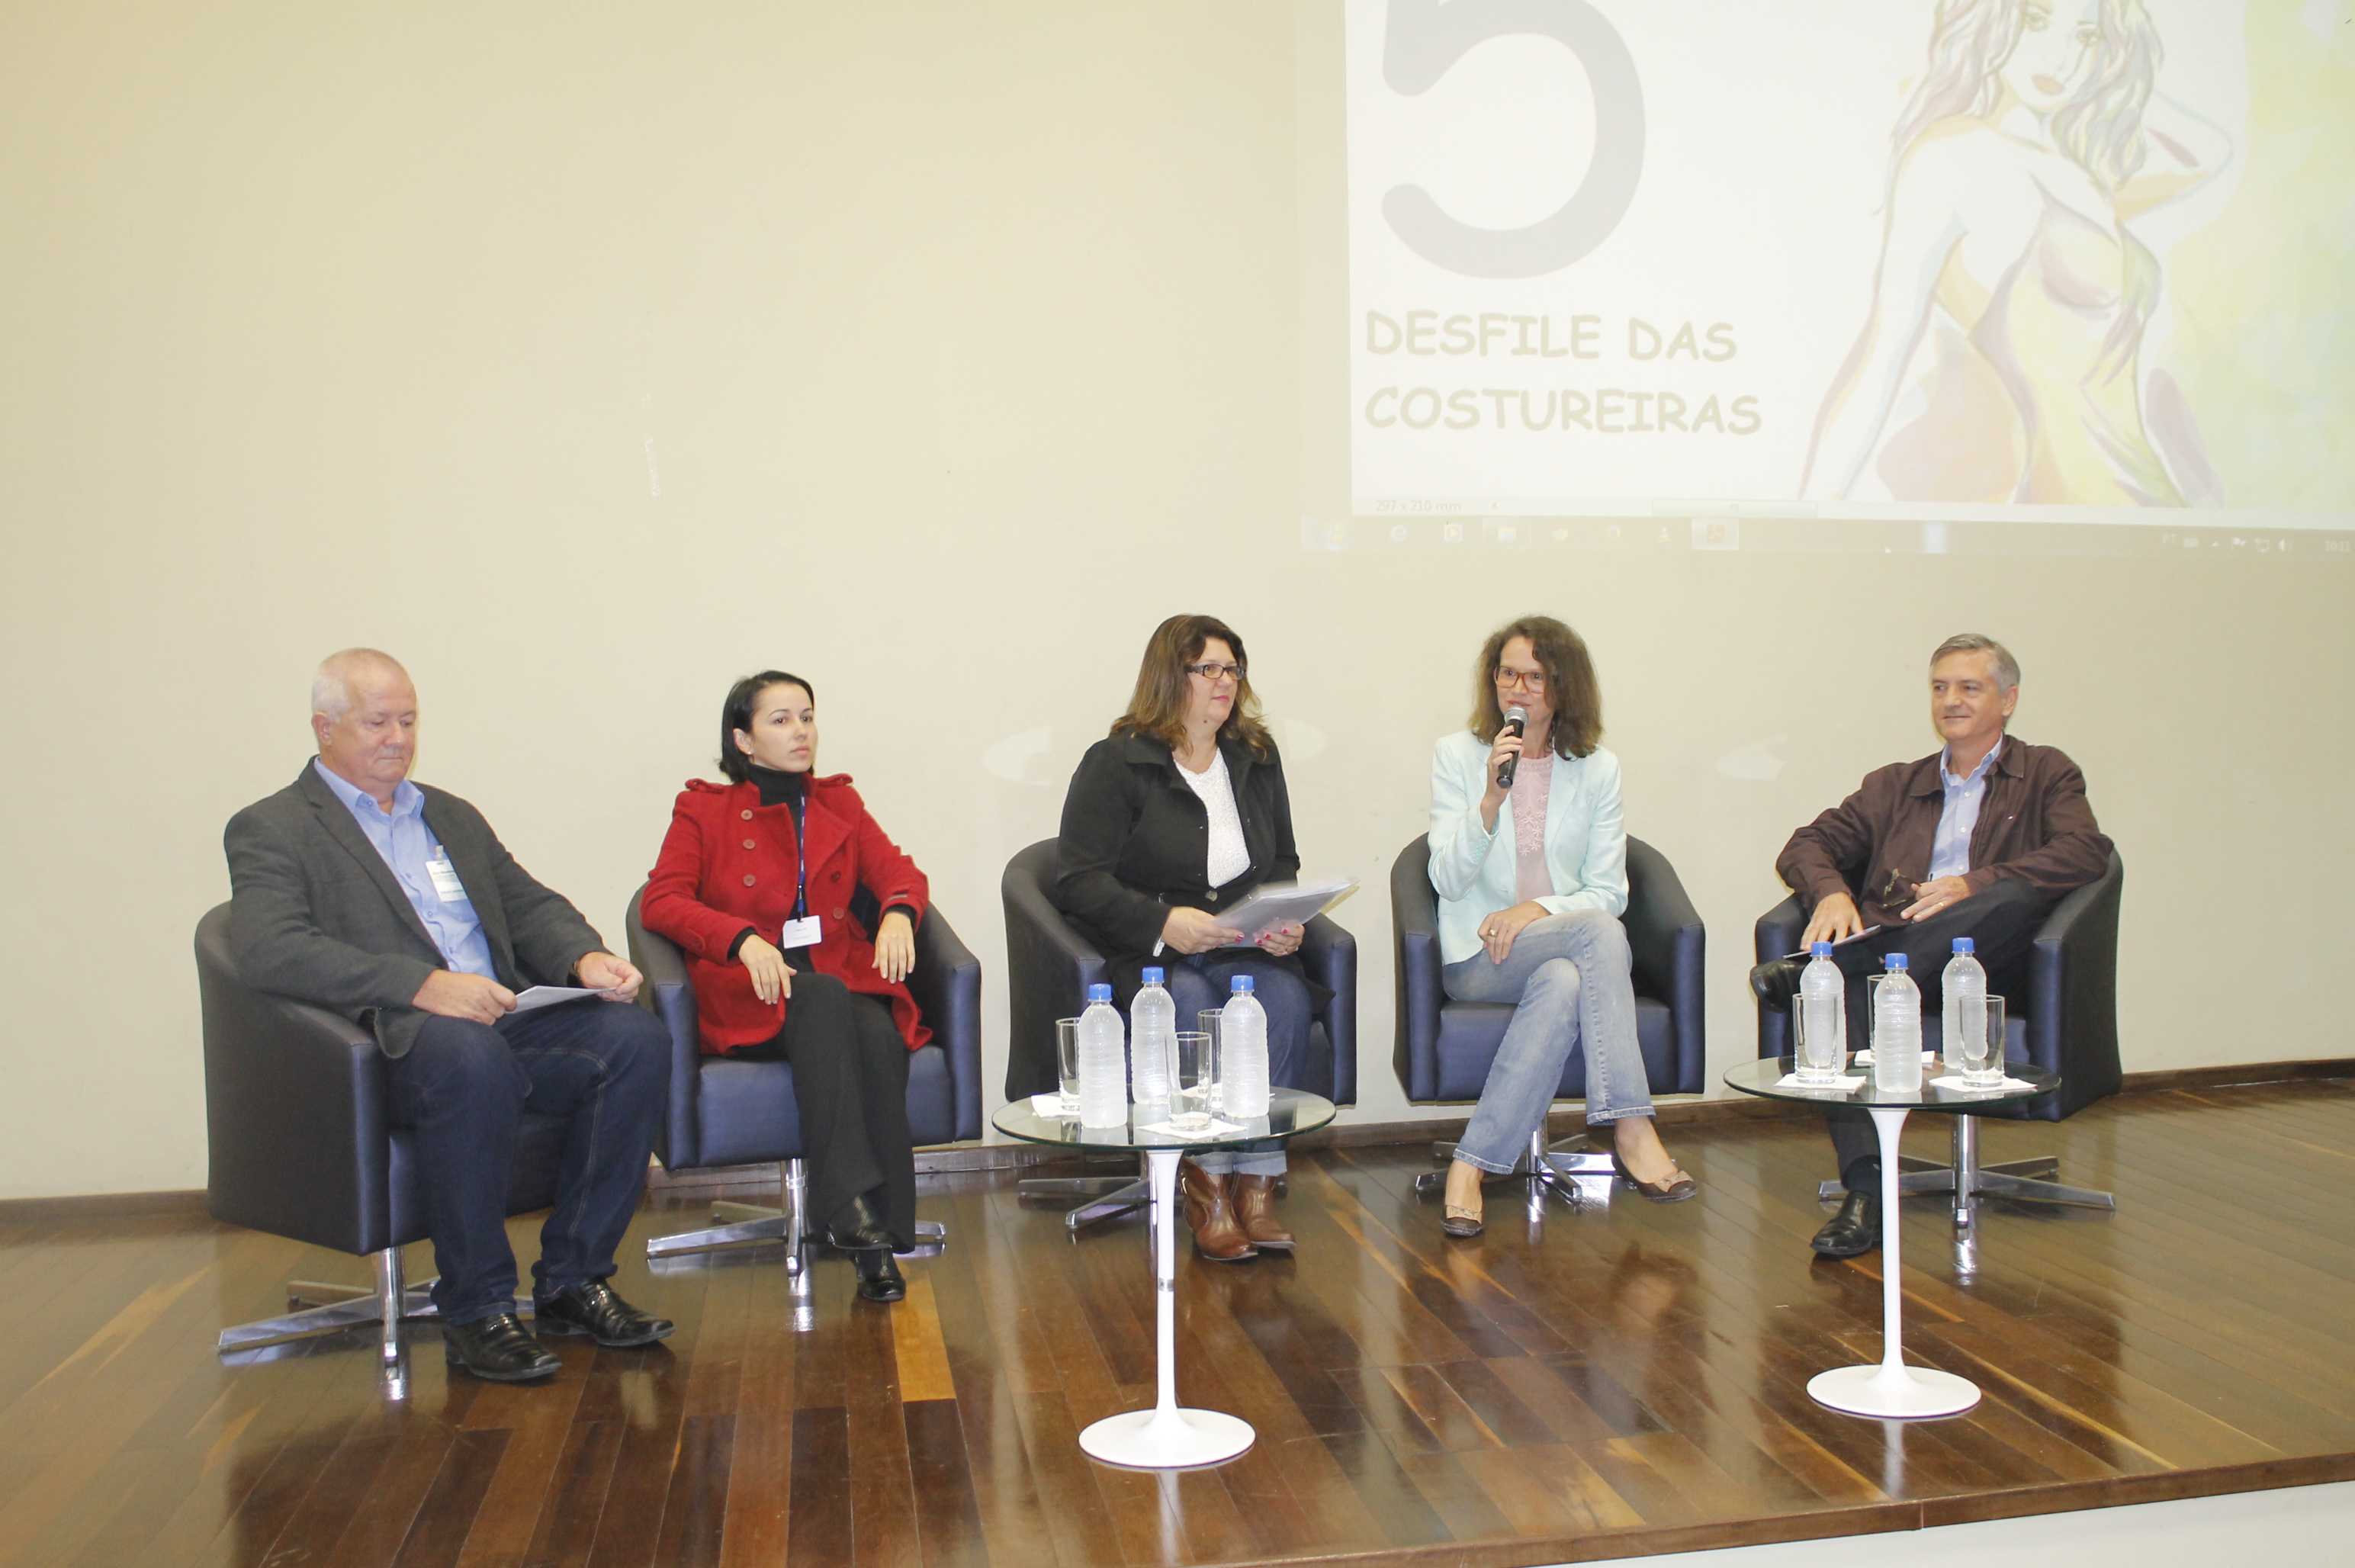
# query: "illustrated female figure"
[[2000, 361]]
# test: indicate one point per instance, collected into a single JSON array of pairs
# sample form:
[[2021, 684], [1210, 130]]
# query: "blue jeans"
[[1200, 983], [1569, 975], [464, 1087]]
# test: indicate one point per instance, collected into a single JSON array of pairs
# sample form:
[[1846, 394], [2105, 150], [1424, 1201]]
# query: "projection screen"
[[2043, 260]]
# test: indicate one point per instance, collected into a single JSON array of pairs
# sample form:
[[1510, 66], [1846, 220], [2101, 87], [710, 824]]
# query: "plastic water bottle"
[[1152, 1035], [1823, 1016], [1104, 1065], [1966, 1019], [1243, 1045], [1897, 1030]]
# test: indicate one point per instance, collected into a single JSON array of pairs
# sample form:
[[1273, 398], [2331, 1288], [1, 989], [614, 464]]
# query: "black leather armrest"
[[946, 984], [2072, 1000], [290, 1087], [667, 994], [1777, 932], [1669, 945], [1418, 993], [1779, 929], [1330, 955], [1049, 968]]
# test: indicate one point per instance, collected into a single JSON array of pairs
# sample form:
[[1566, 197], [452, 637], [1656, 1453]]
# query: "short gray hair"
[[2007, 669], [331, 687]]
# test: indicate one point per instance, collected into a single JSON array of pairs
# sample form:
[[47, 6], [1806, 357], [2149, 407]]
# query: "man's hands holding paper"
[[477, 999]]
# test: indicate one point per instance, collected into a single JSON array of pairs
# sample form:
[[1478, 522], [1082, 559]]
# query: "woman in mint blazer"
[[1532, 879]]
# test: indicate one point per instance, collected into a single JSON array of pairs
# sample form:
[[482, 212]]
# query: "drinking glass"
[[1067, 1062], [1987, 1071], [1211, 1022], [1822, 1051], [1193, 1073]]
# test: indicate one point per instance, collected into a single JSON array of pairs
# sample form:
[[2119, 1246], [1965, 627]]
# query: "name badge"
[[802, 933], [446, 885]]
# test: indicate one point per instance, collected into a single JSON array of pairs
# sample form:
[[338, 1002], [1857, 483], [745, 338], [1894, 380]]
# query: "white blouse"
[[1229, 856]]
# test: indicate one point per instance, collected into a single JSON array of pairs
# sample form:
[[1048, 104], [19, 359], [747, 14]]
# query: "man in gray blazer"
[[395, 904]]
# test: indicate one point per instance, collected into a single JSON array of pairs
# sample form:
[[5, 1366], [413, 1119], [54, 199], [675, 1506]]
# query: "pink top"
[[1531, 782]]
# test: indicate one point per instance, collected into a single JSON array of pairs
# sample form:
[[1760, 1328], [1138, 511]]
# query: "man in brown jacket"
[[1975, 840]]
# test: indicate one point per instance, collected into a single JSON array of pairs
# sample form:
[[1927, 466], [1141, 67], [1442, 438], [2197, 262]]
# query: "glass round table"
[[1891, 1388], [1166, 1437]]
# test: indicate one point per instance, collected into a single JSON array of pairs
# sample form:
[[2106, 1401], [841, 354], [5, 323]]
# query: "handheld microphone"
[[1517, 723]]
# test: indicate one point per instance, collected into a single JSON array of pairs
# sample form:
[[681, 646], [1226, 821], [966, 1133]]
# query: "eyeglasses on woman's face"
[[1213, 672], [1530, 680]]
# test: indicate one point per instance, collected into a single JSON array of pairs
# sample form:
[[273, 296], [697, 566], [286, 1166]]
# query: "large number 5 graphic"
[[1423, 41]]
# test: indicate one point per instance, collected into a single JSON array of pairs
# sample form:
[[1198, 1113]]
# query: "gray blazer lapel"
[[469, 857], [346, 833]]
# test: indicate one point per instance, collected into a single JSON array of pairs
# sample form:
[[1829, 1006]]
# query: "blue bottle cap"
[[1152, 976], [1821, 949], [1965, 944], [1894, 963], [1099, 994], [1243, 984]]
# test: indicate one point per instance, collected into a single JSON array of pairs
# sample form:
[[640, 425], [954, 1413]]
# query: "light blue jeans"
[[1570, 976]]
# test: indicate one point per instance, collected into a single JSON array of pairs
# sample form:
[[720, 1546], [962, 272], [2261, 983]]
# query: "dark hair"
[[1569, 684], [1156, 709], [736, 714]]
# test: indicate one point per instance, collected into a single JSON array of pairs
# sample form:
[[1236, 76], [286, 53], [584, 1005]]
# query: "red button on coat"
[[747, 817]]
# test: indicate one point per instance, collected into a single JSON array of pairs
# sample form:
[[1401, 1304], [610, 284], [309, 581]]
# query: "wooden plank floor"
[[1596, 1384]]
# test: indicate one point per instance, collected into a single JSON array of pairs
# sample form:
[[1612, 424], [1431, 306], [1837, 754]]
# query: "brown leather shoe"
[[1253, 1199], [1215, 1235]]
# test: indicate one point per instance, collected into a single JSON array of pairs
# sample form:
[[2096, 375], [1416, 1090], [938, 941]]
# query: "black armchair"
[[298, 1146], [1049, 968], [1445, 1047], [727, 1112], [2066, 1024]]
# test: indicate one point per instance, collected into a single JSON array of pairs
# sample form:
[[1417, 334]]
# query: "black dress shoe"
[[1854, 1231], [1775, 982], [857, 1227], [592, 1308], [499, 1348], [878, 1275]]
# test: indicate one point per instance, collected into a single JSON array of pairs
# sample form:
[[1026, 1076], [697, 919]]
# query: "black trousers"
[[604, 1067], [850, 1081], [2001, 923]]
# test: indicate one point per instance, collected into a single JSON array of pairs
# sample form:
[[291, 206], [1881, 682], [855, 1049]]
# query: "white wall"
[[964, 343]]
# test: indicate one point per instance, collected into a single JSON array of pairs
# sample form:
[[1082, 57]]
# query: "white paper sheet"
[[1955, 1081], [1283, 903], [1217, 1129], [548, 996], [1793, 1080]]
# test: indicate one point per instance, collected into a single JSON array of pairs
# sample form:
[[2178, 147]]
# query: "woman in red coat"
[[755, 883]]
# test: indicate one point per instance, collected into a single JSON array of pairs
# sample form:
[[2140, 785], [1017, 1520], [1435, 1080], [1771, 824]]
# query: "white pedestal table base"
[[1893, 1388], [1166, 1437]]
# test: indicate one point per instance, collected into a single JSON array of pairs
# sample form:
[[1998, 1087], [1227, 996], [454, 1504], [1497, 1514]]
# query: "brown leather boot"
[[1215, 1235], [1253, 1198]]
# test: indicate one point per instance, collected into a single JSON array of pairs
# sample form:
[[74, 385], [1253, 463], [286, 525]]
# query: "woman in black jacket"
[[1177, 814]]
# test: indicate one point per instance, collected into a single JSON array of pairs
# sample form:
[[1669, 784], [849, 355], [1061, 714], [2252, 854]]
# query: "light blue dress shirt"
[[406, 846], [1950, 850]]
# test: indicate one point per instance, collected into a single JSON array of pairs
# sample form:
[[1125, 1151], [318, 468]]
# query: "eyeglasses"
[[1213, 671], [1528, 680]]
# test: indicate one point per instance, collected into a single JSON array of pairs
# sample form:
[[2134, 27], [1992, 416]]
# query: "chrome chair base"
[[317, 1307], [753, 1224], [1966, 1179], [1570, 1170], [1107, 1195]]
